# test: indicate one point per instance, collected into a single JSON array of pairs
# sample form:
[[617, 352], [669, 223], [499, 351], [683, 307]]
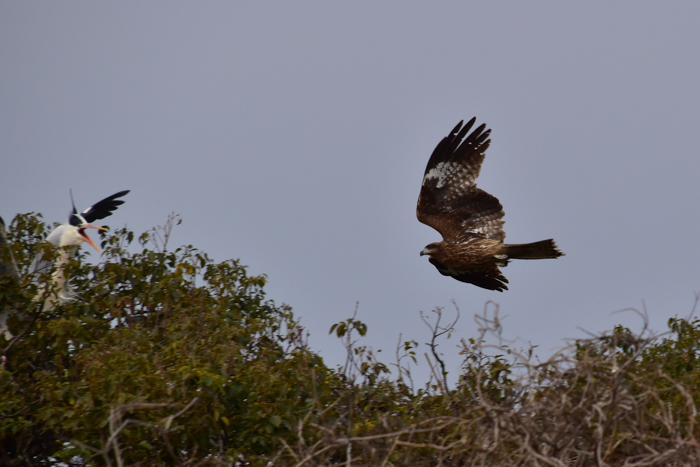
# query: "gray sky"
[[294, 136]]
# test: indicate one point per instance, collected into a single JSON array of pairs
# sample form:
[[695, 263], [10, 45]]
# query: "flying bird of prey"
[[469, 219]]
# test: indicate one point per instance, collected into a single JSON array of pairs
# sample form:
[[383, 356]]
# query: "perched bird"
[[469, 219], [68, 237]]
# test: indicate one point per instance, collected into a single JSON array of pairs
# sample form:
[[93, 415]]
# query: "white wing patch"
[[441, 171], [461, 177], [491, 226]]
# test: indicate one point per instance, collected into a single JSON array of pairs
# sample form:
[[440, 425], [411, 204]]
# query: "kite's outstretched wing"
[[449, 200]]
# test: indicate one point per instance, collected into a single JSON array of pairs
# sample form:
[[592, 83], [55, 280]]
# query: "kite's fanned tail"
[[538, 250]]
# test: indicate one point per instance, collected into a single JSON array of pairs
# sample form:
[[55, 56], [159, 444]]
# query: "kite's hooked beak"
[[85, 235], [430, 249]]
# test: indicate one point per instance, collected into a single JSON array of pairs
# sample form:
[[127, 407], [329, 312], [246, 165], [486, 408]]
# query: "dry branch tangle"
[[599, 406]]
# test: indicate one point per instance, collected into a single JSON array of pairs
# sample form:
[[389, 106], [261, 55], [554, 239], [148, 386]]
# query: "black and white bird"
[[68, 238]]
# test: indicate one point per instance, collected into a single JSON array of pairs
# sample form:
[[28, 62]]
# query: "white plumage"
[[67, 238]]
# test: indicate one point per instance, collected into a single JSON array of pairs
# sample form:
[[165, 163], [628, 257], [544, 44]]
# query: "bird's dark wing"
[[104, 208], [488, 278], [449, 200]]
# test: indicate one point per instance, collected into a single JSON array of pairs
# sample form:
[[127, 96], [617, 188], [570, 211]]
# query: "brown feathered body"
[[469, 219]]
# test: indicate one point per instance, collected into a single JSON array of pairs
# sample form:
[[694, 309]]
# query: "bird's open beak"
[[85, 235]]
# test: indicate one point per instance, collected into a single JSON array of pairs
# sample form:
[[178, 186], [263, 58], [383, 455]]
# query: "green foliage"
[[172, 329], [169, 358]]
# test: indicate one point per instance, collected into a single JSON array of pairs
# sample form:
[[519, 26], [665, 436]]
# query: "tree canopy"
[[166, 357]]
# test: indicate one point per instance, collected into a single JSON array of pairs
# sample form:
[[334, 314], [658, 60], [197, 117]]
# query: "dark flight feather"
[[100, 209]]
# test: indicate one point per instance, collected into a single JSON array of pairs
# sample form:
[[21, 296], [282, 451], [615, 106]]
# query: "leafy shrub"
[[169, 358]]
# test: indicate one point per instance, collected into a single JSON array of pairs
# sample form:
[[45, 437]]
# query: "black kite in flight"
[[469, 219]]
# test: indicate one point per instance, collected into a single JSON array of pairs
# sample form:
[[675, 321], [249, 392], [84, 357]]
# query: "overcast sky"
[[294, 136]]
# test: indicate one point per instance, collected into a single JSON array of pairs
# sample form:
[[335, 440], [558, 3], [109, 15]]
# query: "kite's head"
[[431, 249]]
